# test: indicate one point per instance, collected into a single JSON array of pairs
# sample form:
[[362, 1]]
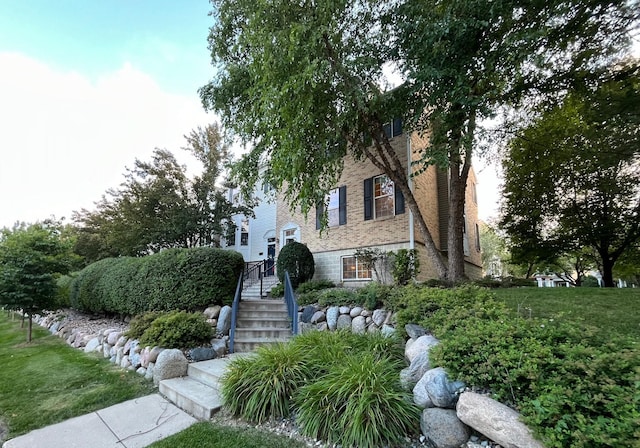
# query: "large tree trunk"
[[30, 328], [607, 272], [455, 226]]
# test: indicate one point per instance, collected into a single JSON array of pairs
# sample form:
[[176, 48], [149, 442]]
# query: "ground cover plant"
[[342, 386], [575, 384], [178, 329], [208, 435], [46, 381]]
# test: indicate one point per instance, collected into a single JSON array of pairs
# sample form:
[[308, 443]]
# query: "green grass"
[[611, 310], [47, 381], [208, 435]]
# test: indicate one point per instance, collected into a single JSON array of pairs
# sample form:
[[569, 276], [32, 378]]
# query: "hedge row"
[[185, 279]]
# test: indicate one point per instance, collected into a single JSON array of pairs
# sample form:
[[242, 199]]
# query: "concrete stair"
[[197, 393], [261, 322], [253, 290]]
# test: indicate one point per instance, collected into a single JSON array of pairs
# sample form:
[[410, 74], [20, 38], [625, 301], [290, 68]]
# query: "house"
[[366, 211]]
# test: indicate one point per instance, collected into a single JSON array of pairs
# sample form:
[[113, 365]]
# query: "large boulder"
[[307, 313], [359, 325], [219, 346], [496, 421], [379, 316], [420, 345], [203, 354], [443, 429], [171, 363], [318, 317], [416, 370], [344, 322], [355, 312], [92, 345], [414, 331], [212, 312], [224, 320], [442, 392]]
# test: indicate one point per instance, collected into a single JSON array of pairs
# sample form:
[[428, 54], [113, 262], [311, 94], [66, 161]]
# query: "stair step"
[[262, 332], [208, 372], [242, 345], [260, 321], [192, 396]]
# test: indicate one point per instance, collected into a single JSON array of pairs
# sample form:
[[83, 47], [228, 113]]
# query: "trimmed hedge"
[[297, 259], [184, 279]]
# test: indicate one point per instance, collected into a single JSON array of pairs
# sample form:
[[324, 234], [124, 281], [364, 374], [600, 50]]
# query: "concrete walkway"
[[133, 424]]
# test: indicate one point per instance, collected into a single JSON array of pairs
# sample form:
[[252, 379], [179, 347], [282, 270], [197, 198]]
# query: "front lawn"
[[46, 381]]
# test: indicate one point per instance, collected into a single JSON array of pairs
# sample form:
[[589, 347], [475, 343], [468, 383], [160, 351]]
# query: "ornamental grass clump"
[[358, 402], [260, 387]]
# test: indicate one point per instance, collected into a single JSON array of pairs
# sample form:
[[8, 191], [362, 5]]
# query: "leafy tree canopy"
[[572, 178]]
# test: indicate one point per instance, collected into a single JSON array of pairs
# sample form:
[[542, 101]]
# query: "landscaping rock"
[[106, 350], [421, 345], [443, 429], [344, 322], [121, 341], [493, 419], [141, 371], [355, 312], [224, 321], [92, 345], [171, 363], [213, 312], [322, 326], [379, 317], [345, 310], [372, 328], [332, 317], [119, 355], [149, 374], [135, 359], [414, 331], [202, 354], [441, 391], [219, 346], [318, 317], [388, 330], [416, 370], [124, 362], [307, 313], [359, 325]]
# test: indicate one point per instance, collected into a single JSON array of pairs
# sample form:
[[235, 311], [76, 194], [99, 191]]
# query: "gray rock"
[[344, 322], [141, 371], [443, 429], [416, 370], [379, 317], [355, 312], [388, 330], [119, 354], [108, 330], [318, 317], [219, 346], [171, 363], [345, 310], [127, 346], [71, 339], [54, 328], [106, 350], [368, 320], [305, 328], [441, 391], [153, 354], [307, 313], [121, 341], [112, 360], [414, 331], [322, 326], [372, 328], [213, 322], [135, 359], [202, 354], [496, 421], [149, 374], [359, 325], [124, 362], [421, 345], [212, 312], [332, 317], [135, 347], [366, 313], [224, 321], [92, 345]]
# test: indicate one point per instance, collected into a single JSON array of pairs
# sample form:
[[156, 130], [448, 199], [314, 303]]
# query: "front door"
[[271, 256]]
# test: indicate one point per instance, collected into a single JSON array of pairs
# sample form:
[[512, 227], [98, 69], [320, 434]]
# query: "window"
[[335, 205], [393, 128], [244, 232], [478, 247], [289, 236], [474, 193], [352, 270], [381, 198]]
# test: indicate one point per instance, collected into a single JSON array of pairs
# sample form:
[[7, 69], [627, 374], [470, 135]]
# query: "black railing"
[[292, 305], [234, 314], [256, 271]]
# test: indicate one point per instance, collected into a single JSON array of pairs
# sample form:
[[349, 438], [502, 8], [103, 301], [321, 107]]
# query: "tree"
[[572, 179], [158, 206], [31, 257], [304, 82]]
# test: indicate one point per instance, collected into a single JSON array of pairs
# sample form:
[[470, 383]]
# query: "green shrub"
[[359, 402], [309, 298], [63, 292], [406, 266], [260, 387], [141, 322], [297, 259], [314, 285], [488, 282], [337, 297], [277, 290], [178, 329], [188, 279], [374, 295]]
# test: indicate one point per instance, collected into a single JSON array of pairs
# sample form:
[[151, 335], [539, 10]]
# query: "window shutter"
[[342, 212], [368, 199], [399, 200], [397, 126], [387, 129], [319, 212]]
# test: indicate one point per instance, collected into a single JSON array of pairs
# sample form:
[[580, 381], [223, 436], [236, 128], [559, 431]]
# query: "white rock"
[[355, 311], [420, 345]]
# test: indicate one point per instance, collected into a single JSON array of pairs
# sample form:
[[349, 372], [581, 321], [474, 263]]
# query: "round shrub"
[[297, 259], [178, 329], [140, 323]]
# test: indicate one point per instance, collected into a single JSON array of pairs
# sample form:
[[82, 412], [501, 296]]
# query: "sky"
[[86, 87]]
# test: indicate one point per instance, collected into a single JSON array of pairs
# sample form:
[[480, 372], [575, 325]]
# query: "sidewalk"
[[133, 424]]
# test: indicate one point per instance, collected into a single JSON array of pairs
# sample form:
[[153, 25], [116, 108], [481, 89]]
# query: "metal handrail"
[[234, 313], [292, 305]]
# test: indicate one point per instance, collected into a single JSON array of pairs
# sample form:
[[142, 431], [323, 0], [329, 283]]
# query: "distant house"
[[366, 211]]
